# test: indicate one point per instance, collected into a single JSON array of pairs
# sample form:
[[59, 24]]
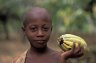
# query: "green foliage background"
[[67, 15]]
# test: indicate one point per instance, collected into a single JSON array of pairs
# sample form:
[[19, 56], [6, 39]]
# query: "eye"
[[33, 28], [45, 28]]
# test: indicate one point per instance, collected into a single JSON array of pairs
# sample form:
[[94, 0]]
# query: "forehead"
[[39, 23], [37, 14]]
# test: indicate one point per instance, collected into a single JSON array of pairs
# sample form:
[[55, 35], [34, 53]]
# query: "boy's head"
[[36, 13], [37, 26]]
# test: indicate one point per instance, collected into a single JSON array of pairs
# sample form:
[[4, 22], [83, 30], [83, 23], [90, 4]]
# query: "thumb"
[[69, 53]]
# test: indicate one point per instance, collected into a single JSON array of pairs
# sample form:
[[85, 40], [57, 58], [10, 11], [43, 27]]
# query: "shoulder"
[[20, 58], [55, 52]]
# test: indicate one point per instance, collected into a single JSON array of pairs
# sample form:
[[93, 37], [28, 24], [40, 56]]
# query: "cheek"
[[48, 34], [29, 34], [30, 37]]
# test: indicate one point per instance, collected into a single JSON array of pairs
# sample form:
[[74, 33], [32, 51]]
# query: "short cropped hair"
[[36, 10]]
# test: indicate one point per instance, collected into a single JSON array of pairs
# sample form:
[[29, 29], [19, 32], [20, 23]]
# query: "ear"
[[52, 28], [23, 29]]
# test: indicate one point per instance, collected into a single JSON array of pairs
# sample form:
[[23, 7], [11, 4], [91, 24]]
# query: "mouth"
[[40, 41]]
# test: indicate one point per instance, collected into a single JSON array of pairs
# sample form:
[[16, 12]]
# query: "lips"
[[40, 41]]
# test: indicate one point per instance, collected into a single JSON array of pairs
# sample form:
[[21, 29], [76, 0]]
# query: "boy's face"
[[38, 31]]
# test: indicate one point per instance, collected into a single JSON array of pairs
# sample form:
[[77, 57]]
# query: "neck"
[[38, 50]]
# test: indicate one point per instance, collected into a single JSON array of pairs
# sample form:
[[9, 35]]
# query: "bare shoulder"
[[55, 53]]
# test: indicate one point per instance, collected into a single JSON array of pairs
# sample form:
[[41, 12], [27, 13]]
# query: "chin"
[[41, 47]]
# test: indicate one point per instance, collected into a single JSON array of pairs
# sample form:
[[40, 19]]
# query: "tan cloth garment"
[[20, 59]]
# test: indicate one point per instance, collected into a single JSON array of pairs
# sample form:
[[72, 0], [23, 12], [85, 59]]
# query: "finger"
[[81, 52], [78, 55], [73, 47], [74, 51], [70, 53], [78, 49]]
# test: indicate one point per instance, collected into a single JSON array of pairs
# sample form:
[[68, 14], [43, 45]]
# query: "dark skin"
[[37, 28]]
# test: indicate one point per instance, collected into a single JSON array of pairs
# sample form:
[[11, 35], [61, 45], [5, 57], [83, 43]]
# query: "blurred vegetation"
[[73, 15], [67, 16]]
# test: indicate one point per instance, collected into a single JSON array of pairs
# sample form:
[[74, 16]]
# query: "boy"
[[37, 27]]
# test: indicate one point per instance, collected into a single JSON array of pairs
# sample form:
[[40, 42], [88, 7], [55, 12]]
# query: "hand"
[[75, 52]]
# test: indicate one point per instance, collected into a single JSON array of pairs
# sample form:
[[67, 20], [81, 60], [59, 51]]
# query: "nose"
[[40, 33]]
